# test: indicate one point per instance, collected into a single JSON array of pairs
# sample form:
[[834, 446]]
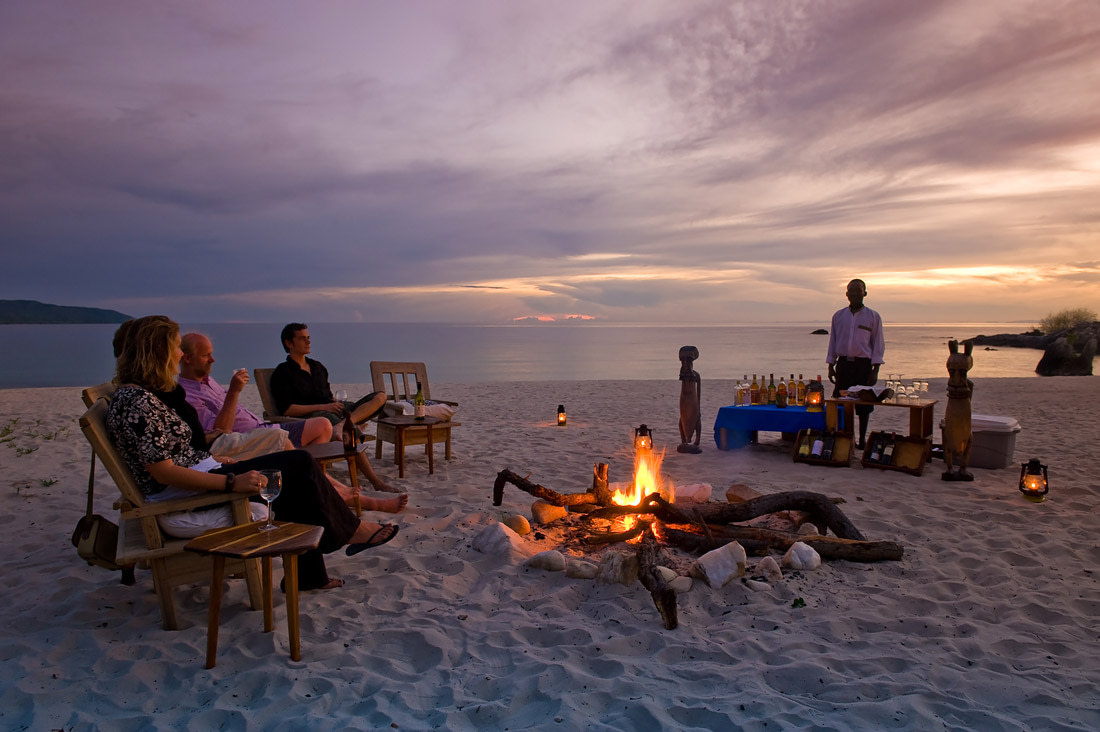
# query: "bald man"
[[856, 348]]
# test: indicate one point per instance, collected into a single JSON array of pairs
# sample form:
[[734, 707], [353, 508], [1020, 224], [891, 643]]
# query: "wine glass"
[[273, 485], [341, 395]]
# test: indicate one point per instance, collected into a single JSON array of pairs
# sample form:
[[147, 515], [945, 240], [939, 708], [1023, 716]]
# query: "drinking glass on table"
[[273, 485]]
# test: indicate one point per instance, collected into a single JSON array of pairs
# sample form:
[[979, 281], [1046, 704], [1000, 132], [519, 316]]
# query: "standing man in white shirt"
[[856, 347]]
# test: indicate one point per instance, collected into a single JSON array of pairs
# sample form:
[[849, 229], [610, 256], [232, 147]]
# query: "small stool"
[[400, 424], [246, 541]]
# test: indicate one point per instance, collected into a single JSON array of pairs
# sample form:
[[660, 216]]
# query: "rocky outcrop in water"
[[1066, 353]]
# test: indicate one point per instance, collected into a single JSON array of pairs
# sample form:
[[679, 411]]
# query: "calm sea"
[[80, 355]]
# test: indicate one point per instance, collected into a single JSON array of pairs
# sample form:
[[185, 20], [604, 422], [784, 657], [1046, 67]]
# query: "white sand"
[[989, 622]]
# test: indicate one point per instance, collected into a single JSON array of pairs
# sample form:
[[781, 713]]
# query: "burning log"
[[664, 598]]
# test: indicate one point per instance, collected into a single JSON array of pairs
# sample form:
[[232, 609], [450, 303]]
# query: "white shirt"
[[856, 335]]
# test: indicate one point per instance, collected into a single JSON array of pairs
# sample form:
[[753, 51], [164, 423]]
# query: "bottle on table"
[[754, 392], [781, 394], [771, 390], [801, 392], [792, 391], [743, 391], [350, 434], [419, 402]]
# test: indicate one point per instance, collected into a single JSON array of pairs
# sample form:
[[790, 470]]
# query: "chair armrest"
[[199, 500]]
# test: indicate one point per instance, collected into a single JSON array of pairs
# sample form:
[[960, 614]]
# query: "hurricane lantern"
[[643, 439], [815, 396], [561, 415], [1033, 480]]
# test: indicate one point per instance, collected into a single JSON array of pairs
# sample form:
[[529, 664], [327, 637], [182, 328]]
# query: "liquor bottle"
[[804, 446], [781, 393], [771, 390], [818, 447], [827, 451], [792, 391], [418, 402], [801, 399], [888, 451], [754, 392], [743, 399]]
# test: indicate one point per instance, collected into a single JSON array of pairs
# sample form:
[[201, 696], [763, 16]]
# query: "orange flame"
[[647, 479]]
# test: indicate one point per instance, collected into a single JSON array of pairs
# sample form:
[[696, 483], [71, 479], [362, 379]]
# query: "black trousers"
[[307, 497], [852, 373]]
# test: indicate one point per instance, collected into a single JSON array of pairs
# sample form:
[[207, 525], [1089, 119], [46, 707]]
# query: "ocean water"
[[80, 355]]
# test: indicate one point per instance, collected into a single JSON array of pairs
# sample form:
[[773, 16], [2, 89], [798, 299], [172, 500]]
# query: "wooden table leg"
[[399, 448], [214, 615], [269, 610], [431, 452], [290, 575]]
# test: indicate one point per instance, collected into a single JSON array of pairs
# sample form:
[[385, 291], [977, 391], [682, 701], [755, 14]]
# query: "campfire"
[[643, 513]]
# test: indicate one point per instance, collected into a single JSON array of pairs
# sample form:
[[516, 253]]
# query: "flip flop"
[[370, 543]]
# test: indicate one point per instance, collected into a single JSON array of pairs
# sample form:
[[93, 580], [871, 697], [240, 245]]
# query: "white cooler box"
[[994, 441]]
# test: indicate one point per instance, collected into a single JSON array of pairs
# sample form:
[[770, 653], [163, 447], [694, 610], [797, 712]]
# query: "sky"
[[493, 160]]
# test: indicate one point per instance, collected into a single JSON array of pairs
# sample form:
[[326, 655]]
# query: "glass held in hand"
[[269, 491], [342, 396]]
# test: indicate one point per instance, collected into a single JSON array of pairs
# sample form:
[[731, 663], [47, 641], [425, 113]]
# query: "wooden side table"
[[400, 424], [248, 542], [920, 414]]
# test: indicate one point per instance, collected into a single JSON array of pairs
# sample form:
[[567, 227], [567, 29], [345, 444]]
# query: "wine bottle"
[[818, 446], [418, 402], [827, 450], [876, 450], [771, 390], [754, 392], [888, 451], [804, 446], [349, 434], [801, 398]]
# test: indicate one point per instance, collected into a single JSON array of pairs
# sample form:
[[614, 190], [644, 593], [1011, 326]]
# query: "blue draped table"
[[737, 426]]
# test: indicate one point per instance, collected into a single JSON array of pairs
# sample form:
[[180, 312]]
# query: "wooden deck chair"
[[326, 454], [398, 379], [140, 539]]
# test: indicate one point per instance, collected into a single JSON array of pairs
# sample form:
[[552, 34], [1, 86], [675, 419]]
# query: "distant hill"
[[34, 312]]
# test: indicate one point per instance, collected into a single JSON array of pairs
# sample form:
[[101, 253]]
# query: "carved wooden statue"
[[691, 391], [957, 434]]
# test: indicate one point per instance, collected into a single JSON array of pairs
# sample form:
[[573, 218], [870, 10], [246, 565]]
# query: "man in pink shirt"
[[856, 348]]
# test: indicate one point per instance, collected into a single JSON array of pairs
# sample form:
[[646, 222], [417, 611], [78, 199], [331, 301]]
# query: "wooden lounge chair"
[[398, 379], [326, 454], [140, 539]]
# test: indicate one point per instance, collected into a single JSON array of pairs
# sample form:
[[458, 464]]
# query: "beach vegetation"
[[47, 482], [1066, 319]]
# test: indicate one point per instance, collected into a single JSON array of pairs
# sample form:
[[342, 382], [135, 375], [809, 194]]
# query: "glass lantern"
[[643, 439], [561, 415], [815, 396], [1033, 480]]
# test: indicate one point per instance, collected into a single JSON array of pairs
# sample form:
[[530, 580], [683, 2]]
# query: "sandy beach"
[[990, 621]]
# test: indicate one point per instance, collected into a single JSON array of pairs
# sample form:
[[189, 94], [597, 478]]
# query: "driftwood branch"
[[664, 598], [536, 490], [760, 542]]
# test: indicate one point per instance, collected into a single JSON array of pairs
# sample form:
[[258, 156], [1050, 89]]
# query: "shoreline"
[[988, 621]]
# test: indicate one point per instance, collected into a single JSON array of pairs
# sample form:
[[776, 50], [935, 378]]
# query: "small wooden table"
[[920, 414], [248, 542], [401, 423]]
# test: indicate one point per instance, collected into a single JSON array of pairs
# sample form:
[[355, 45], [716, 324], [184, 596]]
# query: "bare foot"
[[385, 487], [391, 505], [332, 584]]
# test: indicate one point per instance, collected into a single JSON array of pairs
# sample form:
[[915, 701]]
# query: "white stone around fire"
[[619, 567], [580, 569], [681, 584], [547, 513], [757, 585], [769, 568], [551, 560], [694, 492], [667, 574], [801, 556], [719, 566], [518, 524], [497, 540]]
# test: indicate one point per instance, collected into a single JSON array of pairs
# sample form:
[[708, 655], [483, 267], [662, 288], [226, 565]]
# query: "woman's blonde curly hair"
[[143, 352]]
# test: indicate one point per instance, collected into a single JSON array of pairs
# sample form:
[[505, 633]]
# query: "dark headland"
[[32, 312]]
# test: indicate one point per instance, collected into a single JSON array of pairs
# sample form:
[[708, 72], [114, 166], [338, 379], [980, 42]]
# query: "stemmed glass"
[[273, 485], [341, 395]]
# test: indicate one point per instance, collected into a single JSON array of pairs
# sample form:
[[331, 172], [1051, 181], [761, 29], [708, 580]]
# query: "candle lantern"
[[561, 415], [643, 439], [815, 396], [1033, 480]]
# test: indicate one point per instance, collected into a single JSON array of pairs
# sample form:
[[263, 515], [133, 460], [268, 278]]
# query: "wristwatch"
[[229, 479]]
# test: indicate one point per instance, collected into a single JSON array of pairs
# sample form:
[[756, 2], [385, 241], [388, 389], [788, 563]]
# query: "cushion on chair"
[[431, 409]]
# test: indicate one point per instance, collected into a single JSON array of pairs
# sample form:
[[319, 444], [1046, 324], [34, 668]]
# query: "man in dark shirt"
[[300, 388]]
